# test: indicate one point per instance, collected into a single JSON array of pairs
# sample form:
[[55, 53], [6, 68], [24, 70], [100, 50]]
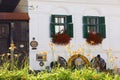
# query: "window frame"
[[100, 25], [68, 25]]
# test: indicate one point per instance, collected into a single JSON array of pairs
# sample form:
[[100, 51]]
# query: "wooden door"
[[4, 37]]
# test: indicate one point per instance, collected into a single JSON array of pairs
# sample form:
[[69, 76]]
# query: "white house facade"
[[41, 12]]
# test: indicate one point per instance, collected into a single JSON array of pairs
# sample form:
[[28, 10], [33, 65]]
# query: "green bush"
[[55, 74]]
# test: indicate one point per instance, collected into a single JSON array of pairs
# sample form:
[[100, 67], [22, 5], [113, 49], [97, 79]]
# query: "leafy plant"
[[61, 39], [94, 38], [85, 73]]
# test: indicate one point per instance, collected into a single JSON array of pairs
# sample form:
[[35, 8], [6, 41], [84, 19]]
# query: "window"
[[61, 24], [93, 24]]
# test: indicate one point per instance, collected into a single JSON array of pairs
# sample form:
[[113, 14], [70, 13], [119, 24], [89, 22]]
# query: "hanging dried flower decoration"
[[94, 38], [61, 39]]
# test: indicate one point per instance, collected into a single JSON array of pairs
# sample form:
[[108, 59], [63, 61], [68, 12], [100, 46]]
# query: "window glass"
[[62, 20], [59, 29], [56, 20]]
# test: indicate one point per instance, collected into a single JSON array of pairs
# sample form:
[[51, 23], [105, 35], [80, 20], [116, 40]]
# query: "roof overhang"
[[6, 16]]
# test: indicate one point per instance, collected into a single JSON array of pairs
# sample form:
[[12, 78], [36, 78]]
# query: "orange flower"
[[92, 42], [51, 45], [93, 57], [44, 52], [116, 57], [88, 54]]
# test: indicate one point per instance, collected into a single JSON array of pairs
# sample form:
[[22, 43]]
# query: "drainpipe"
[[12, 45]]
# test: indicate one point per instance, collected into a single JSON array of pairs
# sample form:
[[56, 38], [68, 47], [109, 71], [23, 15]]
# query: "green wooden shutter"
[[85, 27], [52, 29], [69, 19], [52, 18], [69, 26], [70, 29], [102, 20], [85, 31], [52, 26], [85, 20], [102, 26], [103, 31]]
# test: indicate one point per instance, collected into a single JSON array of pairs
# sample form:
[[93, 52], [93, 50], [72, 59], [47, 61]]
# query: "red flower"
[[94, 38], [61, 39]]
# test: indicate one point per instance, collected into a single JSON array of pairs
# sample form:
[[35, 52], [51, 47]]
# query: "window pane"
[[56, 20], [59, 20], [56, 29], [62, 20], [92, 21], [59, 29], [92, 29]]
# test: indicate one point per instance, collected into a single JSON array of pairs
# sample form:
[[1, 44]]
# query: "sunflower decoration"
[[78, 59], [94, 38]]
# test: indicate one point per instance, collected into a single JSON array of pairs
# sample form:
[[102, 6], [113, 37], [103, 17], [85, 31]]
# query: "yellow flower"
[[12, 46], [70, 51], [95, 76], [111, 60], [82, 53], [51, 44], [44, 57], [44, 52], [8, 54], [67, 46], [75, 52], [3, 55], [23, 78], [39, 53], [80, 49], [110, 54], [16, 55], [88, 54]]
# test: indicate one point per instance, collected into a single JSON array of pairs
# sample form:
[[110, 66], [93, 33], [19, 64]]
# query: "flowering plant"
[[61, 39], [94, 38]]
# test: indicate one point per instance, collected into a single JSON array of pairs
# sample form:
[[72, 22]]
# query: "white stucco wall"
[[40, 12]]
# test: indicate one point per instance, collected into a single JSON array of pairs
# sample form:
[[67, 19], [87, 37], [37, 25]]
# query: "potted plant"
[[61, 38], [94, 38]]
